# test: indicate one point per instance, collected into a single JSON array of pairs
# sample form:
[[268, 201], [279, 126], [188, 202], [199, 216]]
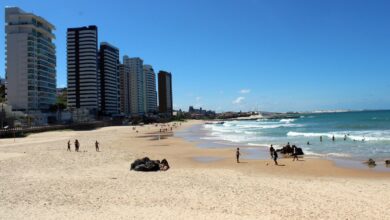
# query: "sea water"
[[367, 134]]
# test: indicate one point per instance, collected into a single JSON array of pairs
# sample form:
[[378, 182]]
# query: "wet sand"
[[39, 179]]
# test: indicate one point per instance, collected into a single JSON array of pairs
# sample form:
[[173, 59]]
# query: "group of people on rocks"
[[77, 146], [293, 150]]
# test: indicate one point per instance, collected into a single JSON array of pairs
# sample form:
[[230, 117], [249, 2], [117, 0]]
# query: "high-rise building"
[[82, 64], [124, 81], [109, 79], [137, 87], [165, 93], [150, 89], [30, 60]]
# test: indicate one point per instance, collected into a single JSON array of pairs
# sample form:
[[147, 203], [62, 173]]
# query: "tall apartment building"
[[137, 86], [150, 89], [165, 93], [82, 65], [124, 81], [30, 60], [109, 79]]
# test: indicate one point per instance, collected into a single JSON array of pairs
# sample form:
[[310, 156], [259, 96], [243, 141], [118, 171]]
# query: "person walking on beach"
[[68, 146], [97, 146], [271, 151], [238, 155], [295, 153], [276, 157], [76, 145]]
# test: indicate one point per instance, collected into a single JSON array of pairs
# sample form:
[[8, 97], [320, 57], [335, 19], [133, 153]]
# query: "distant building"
[[198, 113], [150, 89], [165, 93], [109, 79], [82, 63], [137, 86], [60, 91], [30, 61], [124, 85]]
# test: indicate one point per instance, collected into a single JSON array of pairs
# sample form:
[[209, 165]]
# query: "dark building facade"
[[109, 79], [165, 93], [82, 66]]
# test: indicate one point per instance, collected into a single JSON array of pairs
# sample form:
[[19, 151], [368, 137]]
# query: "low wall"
[[21, 132]]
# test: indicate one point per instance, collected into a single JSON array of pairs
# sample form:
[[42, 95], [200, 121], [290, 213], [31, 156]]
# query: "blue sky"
[[243, 54]]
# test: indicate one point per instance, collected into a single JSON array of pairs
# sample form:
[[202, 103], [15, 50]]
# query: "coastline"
[[259, 155], [41, 180]]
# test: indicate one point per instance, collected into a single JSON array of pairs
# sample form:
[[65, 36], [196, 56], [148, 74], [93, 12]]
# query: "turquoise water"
[[367, 132]]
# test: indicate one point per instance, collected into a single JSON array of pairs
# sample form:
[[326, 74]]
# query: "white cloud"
[[245, 91], [238, 100]]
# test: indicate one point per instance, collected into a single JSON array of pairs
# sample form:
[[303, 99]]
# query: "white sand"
[[40, 180]]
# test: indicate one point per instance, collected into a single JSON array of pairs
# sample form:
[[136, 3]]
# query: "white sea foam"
[[352, 135], [338, 155], [308, 152], [287, 120]]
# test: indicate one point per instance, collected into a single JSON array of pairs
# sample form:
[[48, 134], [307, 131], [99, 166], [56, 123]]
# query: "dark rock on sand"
[[147, 165], [387, 162], [289, 150]]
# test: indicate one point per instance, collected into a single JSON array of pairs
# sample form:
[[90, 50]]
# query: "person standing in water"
[[320, 138], [345, 137], [68, 146], [333, 139], [238, 155], [97, 146], [271, 151], [275, 157]]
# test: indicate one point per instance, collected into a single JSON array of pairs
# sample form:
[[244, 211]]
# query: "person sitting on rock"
[[164, 166]]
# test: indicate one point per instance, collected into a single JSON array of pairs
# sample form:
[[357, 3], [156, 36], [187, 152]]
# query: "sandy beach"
[[39, 179]]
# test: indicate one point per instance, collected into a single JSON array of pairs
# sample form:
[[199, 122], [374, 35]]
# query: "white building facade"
[[137, 85], [150, 89], [30, 61]]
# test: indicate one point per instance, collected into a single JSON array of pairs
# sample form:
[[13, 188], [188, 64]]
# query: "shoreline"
[[205, 141], [321, 166]]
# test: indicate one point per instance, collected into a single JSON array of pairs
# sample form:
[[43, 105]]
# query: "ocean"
[[367, 134]]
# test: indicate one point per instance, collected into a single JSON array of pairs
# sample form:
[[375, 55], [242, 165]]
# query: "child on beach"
[[97, 146], [238, 155]]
